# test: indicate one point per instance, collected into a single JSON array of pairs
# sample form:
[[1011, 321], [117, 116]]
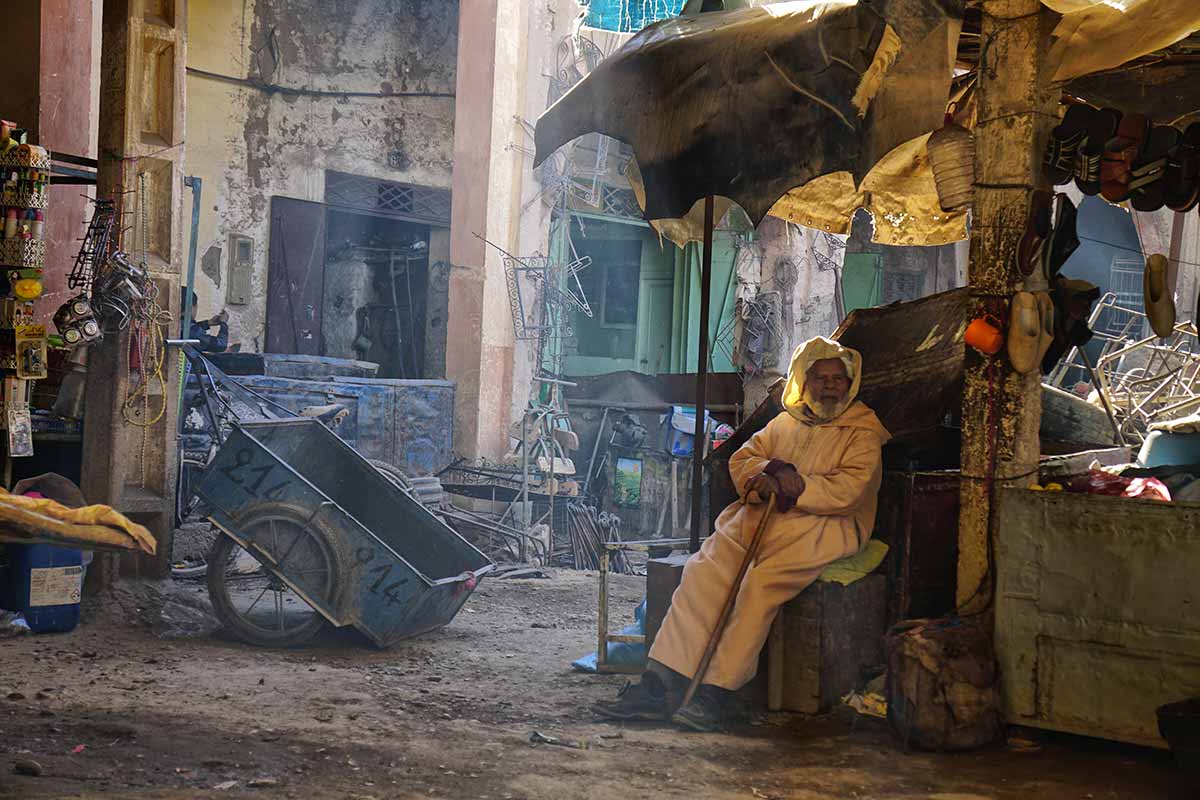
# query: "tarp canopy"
[[748, 104], [809, 111]]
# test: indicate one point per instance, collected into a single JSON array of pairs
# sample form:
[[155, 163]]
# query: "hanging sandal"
[[1025, 333], [1064, 239], [1116, 165], [1183, 171], [1029, 255], [1160, 305], [1087, 163], [1147, 178], [1062, 150], [1045, 306]]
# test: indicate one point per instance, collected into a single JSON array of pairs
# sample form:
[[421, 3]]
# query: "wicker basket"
[[23, 253], [951, 151]]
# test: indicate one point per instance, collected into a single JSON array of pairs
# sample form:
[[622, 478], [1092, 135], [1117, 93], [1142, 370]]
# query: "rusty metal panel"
[[295, 276], [913, 356], [1095, 620]]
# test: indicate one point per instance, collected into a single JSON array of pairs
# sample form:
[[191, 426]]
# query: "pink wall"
[[64, 126], [46, 60]]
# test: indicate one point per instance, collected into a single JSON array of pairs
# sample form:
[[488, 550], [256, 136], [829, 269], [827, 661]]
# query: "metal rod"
[[701, 375], [525, 482], [602, 644], [726, 408], [587, 479], [1112, 418]]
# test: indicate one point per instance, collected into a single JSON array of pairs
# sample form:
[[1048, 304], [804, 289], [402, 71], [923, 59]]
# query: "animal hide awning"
[[749, 104]]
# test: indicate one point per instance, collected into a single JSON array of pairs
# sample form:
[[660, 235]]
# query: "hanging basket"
[[951, 151]]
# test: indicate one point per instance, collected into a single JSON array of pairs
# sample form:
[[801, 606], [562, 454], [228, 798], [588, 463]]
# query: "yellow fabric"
[[899, 192], [848, 570], [817, 349], [1095, 35], [689, 228], [97, 523], [841, 466]]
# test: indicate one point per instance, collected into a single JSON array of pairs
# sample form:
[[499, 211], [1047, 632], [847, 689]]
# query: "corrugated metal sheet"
[[913, 356]]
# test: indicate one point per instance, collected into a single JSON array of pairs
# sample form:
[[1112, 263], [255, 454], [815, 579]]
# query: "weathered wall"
[[1094, 627], [249, 141]]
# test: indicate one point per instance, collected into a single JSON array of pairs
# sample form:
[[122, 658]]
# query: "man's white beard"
[[824, 411]]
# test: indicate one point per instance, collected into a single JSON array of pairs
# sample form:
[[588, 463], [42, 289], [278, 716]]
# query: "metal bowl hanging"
[[951, 150]]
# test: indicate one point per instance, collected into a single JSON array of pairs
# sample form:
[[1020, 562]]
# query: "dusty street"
[[111, 710]]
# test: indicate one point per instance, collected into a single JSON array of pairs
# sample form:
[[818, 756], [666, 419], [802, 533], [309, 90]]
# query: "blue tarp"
[[622, 653], [629, 16]]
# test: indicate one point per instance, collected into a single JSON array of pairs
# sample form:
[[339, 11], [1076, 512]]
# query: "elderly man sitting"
[[821, 460]]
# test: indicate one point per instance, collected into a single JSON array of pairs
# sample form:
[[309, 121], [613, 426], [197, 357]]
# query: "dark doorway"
[[376, 285]]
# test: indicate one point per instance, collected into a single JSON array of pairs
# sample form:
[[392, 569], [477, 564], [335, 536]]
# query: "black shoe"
[[646, 700], [706, 712]]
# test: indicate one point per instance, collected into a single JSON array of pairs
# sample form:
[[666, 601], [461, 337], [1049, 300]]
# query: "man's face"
[[827, 384]]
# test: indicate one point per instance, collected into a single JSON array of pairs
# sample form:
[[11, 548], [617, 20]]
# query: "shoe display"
[[1160, 304], [1025, 333]]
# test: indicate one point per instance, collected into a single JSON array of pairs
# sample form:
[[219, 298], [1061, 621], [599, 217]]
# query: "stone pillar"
[[468, 216], [132, 468], [1001, 409], [486, 192]]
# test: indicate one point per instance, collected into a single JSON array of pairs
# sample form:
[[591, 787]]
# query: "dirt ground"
[[112, 710]]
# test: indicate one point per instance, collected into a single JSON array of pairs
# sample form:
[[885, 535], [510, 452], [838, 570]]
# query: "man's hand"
[[763, 485], [791, 485]]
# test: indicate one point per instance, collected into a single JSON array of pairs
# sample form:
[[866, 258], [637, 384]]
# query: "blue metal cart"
[[313, 532]]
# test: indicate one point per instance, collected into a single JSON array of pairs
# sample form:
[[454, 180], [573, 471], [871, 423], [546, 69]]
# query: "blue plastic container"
[[43, 582]]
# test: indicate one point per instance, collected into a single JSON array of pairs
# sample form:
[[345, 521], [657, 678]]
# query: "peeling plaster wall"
[[248, 144]]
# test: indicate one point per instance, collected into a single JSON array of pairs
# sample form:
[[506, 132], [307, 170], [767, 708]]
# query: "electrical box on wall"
[[241, 269]]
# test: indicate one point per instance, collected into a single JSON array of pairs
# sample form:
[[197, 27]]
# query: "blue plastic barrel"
[[43, 582]]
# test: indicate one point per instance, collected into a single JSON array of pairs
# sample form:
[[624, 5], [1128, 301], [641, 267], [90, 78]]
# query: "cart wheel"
[[393, 474], [252, 601]]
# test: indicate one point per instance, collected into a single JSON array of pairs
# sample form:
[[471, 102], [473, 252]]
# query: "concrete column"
[[1001, 409], [486, 190], [468, 216]]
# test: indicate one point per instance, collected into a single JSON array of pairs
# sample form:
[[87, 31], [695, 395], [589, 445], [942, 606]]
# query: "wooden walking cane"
[[715, 638]]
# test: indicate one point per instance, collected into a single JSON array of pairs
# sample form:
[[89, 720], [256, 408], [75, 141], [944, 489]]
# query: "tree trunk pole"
[[1001, 409]]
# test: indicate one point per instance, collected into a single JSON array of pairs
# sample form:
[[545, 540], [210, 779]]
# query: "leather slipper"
[[1064, 239], [1116, 165], [1087, 164], [1160, 305], [1147, 178], [1045, 306], [1183, 171], [1062, 149], [1030, 249], [1025, 333]]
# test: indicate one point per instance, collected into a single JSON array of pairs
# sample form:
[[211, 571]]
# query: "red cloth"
[[1098, 481]]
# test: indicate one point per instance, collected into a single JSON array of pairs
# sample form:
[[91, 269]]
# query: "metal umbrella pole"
[[701, 376]]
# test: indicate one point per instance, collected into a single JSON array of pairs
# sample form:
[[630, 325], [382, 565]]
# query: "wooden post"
[[1001, 409], [701, 376], [143, 53]]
